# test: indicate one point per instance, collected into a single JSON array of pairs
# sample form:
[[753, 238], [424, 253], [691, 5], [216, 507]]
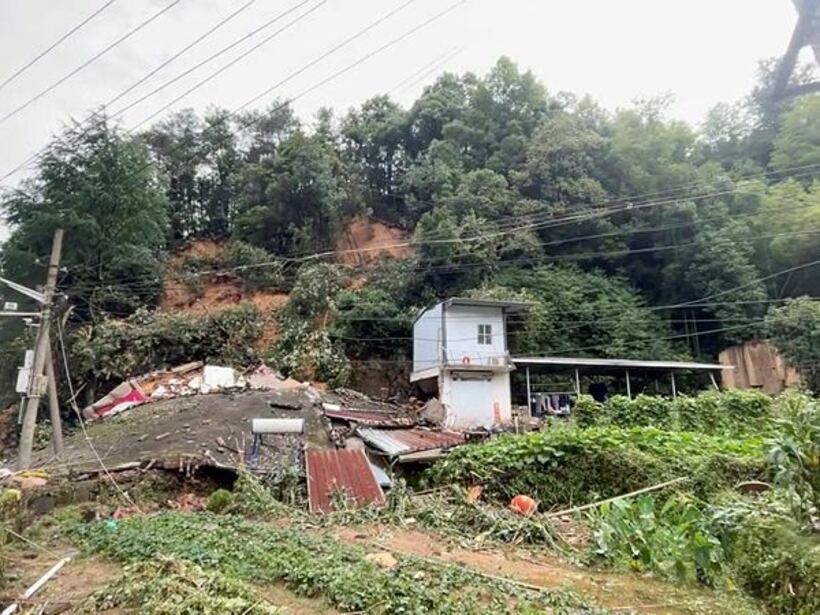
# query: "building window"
[[485, 334]]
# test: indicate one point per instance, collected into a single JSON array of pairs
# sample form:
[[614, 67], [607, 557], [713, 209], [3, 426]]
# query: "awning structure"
[[620, 366], [406, 445], [619, 363]]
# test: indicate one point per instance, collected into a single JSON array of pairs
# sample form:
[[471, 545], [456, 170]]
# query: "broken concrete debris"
[[264, 378], [193, 378]]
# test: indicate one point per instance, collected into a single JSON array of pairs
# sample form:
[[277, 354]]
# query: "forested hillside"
[[636, 235]]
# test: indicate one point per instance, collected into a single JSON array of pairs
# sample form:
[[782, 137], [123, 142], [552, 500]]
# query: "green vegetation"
[[503, 188], [116, 349], [165, 585], [775, 560], [311, 565], [795, 328], [672, 539], [219, 500], [729, 413], [255, 267], [566, 465], [305, 348]]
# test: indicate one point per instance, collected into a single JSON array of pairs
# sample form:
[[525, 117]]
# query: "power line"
[[321, 57], [88, 62], [438, 66], [424, 266], [295, 73], [626, 203], [366, 56], [222, 69], [182, 51], [79, 414], [417, 72], [40, 153], [54, 45]]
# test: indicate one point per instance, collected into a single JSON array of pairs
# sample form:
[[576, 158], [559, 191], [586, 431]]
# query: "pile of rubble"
[[193, 378]]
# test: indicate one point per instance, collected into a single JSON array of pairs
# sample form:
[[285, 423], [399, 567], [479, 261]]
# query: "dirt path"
[[615, 590], [84, 575], [75, 581]]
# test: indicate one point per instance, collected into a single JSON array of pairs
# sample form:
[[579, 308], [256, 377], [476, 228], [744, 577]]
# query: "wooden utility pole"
[[37, 382]]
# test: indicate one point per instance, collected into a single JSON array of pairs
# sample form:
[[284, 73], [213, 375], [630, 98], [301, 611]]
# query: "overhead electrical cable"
[[40, 153], [54, 45], [88, 62], [231, 63]]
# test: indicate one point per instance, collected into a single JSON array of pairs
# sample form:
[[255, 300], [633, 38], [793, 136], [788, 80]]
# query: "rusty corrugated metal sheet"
[[372, 418], [332, 470], [400, 441]]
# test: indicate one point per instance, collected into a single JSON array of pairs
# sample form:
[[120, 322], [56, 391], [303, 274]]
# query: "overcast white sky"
[[704, 51]]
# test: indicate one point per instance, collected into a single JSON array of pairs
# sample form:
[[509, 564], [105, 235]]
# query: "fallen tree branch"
[[570, 511]]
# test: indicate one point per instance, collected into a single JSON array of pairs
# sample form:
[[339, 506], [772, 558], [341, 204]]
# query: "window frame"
[[485, 334]]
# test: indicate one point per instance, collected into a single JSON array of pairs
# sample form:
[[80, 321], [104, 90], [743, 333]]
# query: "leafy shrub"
[[673, 540], [118, 349], [568, 464], [314, 291], [795, 330], [169, 585], [219, 500], [769, 556], [255, 267], [305, 349], [588, 412], [310, 355], [795, 459], [735, 412], [372, 323]]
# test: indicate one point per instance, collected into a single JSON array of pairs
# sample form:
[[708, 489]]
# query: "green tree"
[[562, 162], [100, 186], [795, 330], [454, 254], [374, 141], [201, 160], [787, 229], [371, 323], [798, 140], [291, 202], [581, 313]]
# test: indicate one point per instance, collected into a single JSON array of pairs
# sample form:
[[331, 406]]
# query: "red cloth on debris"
[[125, 396]]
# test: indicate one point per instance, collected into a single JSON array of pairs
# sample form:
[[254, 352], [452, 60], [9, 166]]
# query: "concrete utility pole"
[[54, 404], [37, 382]]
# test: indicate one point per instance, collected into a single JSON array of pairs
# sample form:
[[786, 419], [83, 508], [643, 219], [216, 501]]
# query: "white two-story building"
[[460, 353]]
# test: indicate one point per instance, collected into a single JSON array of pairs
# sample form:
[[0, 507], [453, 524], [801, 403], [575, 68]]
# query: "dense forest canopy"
[[634, 234]]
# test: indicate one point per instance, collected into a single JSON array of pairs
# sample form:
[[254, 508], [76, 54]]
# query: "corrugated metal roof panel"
[[373, 418], [333, 470], [400, 441]]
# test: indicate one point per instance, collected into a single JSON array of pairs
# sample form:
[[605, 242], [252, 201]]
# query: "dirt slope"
[[366, 240]]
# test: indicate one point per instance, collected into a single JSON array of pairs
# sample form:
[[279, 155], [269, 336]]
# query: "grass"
[[310, 565]]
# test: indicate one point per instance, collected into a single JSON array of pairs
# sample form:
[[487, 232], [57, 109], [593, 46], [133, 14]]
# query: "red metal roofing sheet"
[[334, 470], [369, 417]]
